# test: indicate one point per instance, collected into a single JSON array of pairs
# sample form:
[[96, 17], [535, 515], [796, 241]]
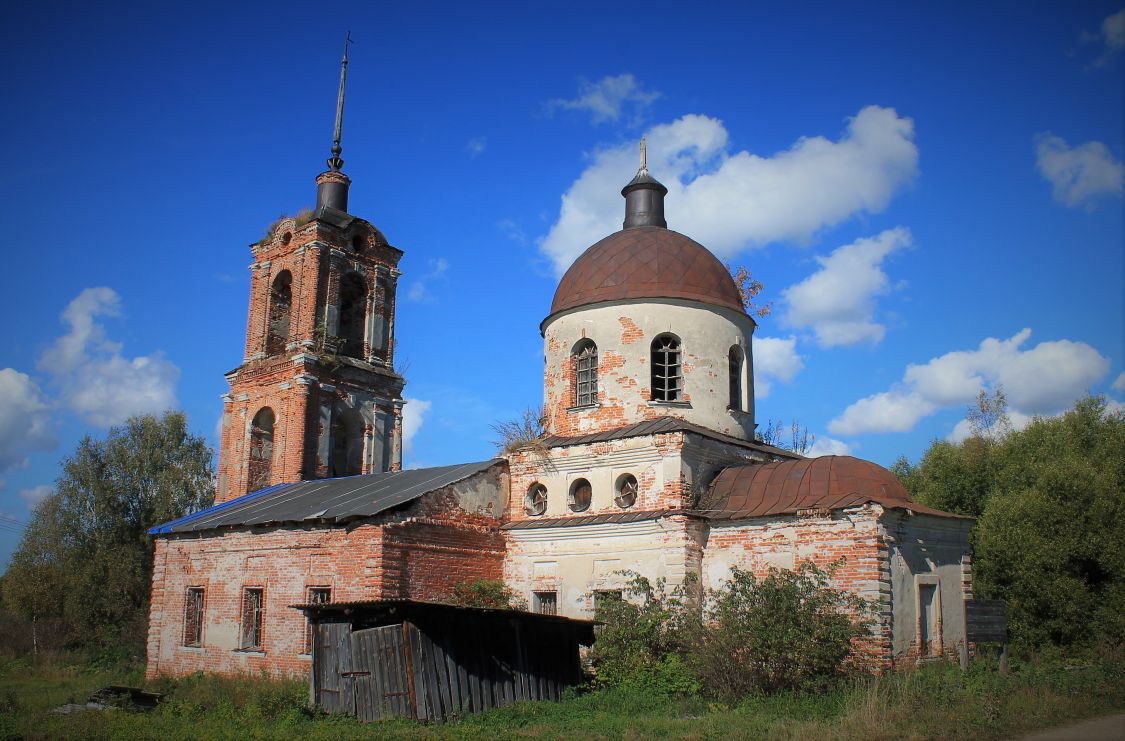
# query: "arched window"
[[346, 457], [625, 491], [580, 496], [535, 503], [281, 302], [585, 356], [380, 337], [353, 311], [734, 360], [667, 375], [261, 450]]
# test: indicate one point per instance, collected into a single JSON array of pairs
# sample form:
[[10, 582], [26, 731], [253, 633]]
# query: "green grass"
[[938, 701]]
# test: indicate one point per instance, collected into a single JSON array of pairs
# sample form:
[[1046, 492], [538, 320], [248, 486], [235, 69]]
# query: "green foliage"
[[86, 558], [643, 637], [1050, 538], [787, 631], [491, 593]]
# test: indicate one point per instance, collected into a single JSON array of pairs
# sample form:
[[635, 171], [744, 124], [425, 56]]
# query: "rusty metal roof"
[[397, 607], [656, 427], [325, 501], [646, 262], [536, 523], [825, 483]]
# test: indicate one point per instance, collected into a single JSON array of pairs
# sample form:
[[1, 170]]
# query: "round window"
[[625, 493], [580, 495], [535, 503]]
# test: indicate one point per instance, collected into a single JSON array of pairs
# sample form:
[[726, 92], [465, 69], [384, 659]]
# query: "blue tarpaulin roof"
[[324, 500]]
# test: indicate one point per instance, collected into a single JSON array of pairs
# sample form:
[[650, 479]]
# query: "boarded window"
[[253, 604], [353, 313], [281, 301], [734, 360], [625, 492], [535, 503], [667, 377], [193, 617], [585, 358], [261, 450], [547, 603], [315, 596], [580, 495]]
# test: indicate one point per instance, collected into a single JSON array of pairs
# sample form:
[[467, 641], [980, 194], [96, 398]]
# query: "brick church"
[[648, 463]]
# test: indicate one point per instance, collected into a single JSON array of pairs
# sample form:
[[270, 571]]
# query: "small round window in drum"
[[625, 493], [535, 503], [580, 496]]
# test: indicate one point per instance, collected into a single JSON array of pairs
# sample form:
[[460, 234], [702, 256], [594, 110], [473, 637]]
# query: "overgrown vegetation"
[[748, 290], [525, 431], [302, 217], [1050, 538], [491, 593], [81, 574], [794, 437]]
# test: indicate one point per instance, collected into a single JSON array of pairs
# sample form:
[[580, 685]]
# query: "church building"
[[648, 463]]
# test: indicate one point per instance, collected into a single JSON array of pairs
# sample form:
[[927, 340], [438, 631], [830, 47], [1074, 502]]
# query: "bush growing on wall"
[[491, 593]]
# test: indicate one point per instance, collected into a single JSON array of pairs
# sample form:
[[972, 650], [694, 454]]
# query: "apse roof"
[[325, 500]]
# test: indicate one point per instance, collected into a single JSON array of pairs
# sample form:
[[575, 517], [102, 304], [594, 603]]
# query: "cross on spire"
[[644, 156]]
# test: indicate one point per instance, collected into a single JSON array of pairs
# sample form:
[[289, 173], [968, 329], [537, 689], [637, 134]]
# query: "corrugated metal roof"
[[656, 427], [828, 482], [325, 500], [609, 517]]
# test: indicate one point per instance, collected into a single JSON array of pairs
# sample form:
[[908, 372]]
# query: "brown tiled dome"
[[828, 482], [646, 262]]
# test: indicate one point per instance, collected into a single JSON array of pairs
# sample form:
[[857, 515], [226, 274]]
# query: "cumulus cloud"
[[729, 201], [608, 98], [1111, 37], [1044, 379], [1078, 175], [93, 378], [24, 419], [36, 494], [1119, 384], [775, 359], [420, 289], [838, 300], [413, 415], [828, 446]]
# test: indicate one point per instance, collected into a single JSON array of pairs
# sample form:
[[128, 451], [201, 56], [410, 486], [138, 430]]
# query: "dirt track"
[[1109, 728]]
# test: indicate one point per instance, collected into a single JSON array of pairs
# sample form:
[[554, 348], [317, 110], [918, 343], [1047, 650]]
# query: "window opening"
[[261, 449], [315, 596], [626, 491], [547, 603], [585, 373], [281, 303], [353, 311], [381, 337], [734, 358], [927, 598], [346, 456], [667, 381], [580, 495], [535, 503], [253, 602], [193, 617]]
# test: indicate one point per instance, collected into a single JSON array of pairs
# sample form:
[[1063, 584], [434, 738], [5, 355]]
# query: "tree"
[[526, 431], [86, 556], [797, 438], [748, 290]]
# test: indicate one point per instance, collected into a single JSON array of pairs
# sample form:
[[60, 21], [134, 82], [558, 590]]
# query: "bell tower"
[[316, 394]]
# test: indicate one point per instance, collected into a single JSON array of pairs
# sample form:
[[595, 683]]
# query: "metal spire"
[[644, 156], [334, 162]]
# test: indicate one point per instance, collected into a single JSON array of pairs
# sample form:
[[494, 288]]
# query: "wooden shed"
[[428, 661]]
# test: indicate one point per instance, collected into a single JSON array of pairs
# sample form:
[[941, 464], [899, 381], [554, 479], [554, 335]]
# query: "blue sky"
[[931, 193]]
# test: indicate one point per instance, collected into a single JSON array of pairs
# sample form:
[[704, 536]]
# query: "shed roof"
[[325, 500], [828, 482]]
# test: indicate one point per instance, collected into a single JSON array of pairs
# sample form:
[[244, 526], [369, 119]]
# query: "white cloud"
[[420, 289], [1078, 175], [476, 146], [608, 98], [775, 359], [838, 301], [413, 415], [732, 201], [93, 378], [36, 494], [1119, 384], [1111, 35], [1044, 379], [828, 446], [24, 419]]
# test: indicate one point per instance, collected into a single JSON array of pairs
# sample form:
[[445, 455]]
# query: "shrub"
[[491, 593], [788, 630]]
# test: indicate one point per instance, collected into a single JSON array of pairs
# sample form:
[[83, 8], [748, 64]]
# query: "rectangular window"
[[547, 603], [928, 619], [315, 596], [193, 617], [253, 603]]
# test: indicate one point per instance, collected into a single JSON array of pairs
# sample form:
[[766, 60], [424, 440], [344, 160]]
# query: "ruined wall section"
[[623, 332]]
